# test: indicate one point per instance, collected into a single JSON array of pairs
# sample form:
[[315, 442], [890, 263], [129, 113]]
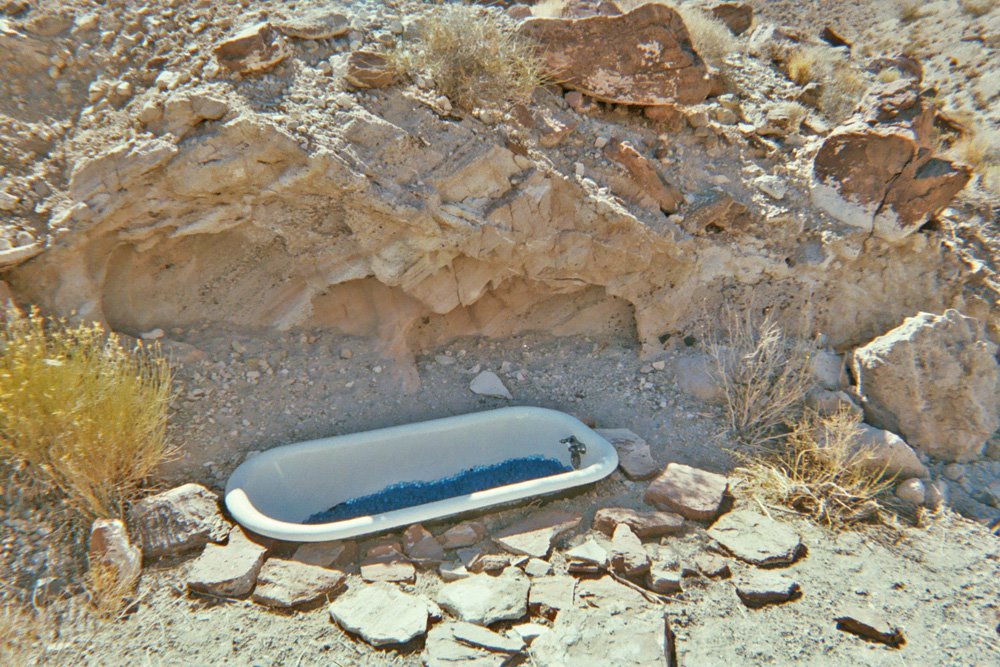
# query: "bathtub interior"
[[291, 483]]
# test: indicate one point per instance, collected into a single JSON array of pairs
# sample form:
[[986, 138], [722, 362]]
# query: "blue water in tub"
[[409, 494]]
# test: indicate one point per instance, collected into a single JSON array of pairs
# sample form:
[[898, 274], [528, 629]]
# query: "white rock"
[[228, 571], [487, 383], [486, 600], [592, 637], [912, 491], [286, 583], [381, 614]]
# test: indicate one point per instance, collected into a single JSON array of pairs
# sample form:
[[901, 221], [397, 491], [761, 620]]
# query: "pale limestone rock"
[[634, 456], [485, 600], [535, 535], [550, 594], [597, 637], [110, 547], [763, 587], [381, 614], [757, 539], [285, 583], [227, 571], [488, 383]]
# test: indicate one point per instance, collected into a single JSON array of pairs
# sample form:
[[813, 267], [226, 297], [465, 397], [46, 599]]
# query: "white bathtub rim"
[[247, 515]]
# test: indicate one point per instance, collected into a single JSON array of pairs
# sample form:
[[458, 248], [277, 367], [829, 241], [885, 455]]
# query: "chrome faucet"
[[576, 450]]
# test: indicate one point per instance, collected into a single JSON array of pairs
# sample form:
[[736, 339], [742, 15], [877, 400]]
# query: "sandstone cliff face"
[[283, 200]]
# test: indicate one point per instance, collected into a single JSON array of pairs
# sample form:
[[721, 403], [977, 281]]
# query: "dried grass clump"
[[842, 83], [803, 65], [977, 8], [819, 470], [22, 630], [980, 149], [109, 592], [764, 376], [77, 406], [473, 56], [909, 10]]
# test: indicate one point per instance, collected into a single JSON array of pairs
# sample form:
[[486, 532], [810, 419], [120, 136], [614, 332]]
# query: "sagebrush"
[[81, 409], [763, 373], [472, 55], [819, 469]]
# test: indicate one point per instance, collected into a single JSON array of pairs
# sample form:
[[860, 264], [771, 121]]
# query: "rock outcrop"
[[879, 172], [644, 57], [935, 380]]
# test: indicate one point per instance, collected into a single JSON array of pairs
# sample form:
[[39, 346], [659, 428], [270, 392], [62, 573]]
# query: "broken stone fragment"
[[464, 534], [451, 644], [314, 23], [757, 539], [178, 520], [285, 584], [712, 566], [643, 57], [392, 571], [693, 493], [645, 524], [420, 544], [634, 456], [627, 557], [598, 637], [549, 595], [645, 175], [255, 49], [485, 600], [763, 588], [488, 383], [368, 69], [326, 554], [110, 548], [589, 552], [381, 614], [934, 379], [871, 625], [665, 580], [227, 571], [535, 535], [738, 16]]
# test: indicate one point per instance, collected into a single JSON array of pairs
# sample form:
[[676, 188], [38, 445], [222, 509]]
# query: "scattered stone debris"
[[757, 539], [535, 535], [548, 595], [381, 614], [228, 570], [634, 456], [694, 494], [762, 588], [485, 600], [285, 584], [176, 521], [871, 625]]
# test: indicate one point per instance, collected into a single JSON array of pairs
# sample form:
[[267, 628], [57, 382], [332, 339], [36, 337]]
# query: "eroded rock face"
[[644, 57], [935, 380], [878, 171]]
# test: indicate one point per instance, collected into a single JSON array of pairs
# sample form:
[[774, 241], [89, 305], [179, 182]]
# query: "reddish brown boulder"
[[367, 69], [645, 175], [694, 494], [643, 524], [878, 171], [644, 57], [737, 16], [255, 49]]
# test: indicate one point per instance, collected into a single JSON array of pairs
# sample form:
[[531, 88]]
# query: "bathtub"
[[274, 493]]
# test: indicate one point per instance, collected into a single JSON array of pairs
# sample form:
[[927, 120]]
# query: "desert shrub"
[[909, 10], [802, 65], [472, 55], [764, 375], [977, 8], [818, 469], [980, 149], [842, 83], [81, 409]]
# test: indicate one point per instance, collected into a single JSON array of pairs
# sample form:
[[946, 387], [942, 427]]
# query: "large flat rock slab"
[[643, 57], [468, 645], [693, 493], [227, 571], [381, 614], [634, 456], [597, 638], [757, 539], [484, 599], [286, 583], [535, 535]]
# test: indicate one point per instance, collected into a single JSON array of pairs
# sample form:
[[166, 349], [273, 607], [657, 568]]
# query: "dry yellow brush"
[[81, 408]]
